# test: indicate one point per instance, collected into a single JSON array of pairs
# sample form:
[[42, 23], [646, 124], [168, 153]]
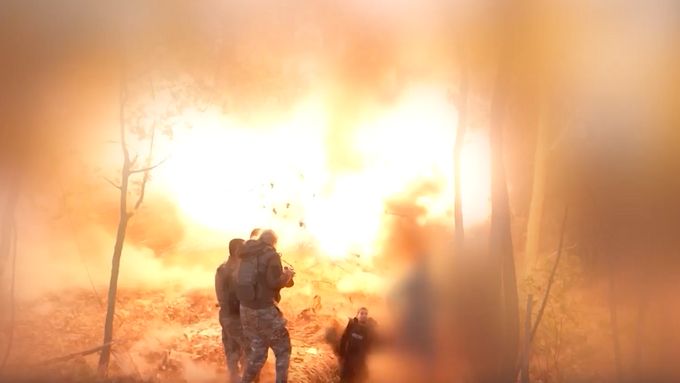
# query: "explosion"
[[336, 124], [337, 213], [226, 176]]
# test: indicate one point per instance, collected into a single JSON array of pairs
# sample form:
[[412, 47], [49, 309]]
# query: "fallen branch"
[[74, 355]]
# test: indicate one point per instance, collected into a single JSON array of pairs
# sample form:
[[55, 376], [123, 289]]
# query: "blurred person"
[[356, 342], [260, 280], [412, 304], [233, 340], [412, 301]]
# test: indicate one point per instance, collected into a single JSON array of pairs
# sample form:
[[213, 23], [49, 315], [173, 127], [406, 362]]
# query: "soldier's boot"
[[256, 360], [282, 349], [233, 356]]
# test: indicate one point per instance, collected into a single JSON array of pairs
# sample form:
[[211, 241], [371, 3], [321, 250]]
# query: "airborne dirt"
[[170, 335]]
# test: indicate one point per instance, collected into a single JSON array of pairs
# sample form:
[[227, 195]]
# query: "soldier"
[[235, 344], [355, 344], [260, 279]]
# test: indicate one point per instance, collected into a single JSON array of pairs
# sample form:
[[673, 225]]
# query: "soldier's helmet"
[[269, 237]]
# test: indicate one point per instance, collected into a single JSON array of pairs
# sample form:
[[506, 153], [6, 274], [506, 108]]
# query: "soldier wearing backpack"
[[235, 345], [259, 281]]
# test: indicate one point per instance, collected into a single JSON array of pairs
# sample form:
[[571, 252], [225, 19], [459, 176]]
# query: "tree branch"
[[134, 160], [112, 183], [144, 170], [146, 173], [74, 355], [121, 117], [400, 215]]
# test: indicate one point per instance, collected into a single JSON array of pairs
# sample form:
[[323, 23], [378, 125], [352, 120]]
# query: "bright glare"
[[229, 177]]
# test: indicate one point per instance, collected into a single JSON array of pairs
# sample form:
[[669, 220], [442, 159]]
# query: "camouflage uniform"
[[235, 344], [265, 328]]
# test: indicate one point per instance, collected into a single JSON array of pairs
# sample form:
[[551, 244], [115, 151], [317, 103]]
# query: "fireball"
[[228, 176]]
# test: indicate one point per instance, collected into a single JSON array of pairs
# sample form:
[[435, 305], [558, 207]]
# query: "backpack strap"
[[261, 274]]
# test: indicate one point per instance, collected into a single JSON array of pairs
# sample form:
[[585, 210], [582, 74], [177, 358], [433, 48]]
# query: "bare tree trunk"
[[639, 332], [124, 217], [500, 232], [551, 280], [11, 198], [8, 254], [614, 320], [113, 283], [553, 272], [537, 199], [527, 340], [457, 155]]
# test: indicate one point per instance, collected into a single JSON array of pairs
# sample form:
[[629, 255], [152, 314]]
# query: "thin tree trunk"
[[553, 272], [639, 332], [537, 199], [124, 217], [113, 283], [551, 281], [11, 198], [8, 255], [527, 340], [614, 320], [500, 232], [457, 154]]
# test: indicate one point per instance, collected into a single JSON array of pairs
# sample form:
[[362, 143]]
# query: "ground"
[[161, 335]]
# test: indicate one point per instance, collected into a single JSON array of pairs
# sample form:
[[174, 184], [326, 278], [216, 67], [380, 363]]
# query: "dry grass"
[[161, 336], [173, 335]]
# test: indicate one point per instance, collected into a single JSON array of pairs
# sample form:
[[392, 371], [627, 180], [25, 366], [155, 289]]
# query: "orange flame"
[[228, 177]]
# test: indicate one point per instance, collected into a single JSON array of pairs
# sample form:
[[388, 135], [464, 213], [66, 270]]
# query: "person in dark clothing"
[[235, 345], [260, 280], [412, 301], [355, 344]]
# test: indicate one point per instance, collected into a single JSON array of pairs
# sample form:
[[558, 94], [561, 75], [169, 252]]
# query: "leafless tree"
[[129, 169]]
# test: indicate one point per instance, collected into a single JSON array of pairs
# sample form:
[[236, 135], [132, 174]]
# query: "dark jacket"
[[224, 280], [270, 274], [357, 340]]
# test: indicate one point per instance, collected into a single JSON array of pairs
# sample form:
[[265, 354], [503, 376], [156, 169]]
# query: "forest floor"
[[160, 335]]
